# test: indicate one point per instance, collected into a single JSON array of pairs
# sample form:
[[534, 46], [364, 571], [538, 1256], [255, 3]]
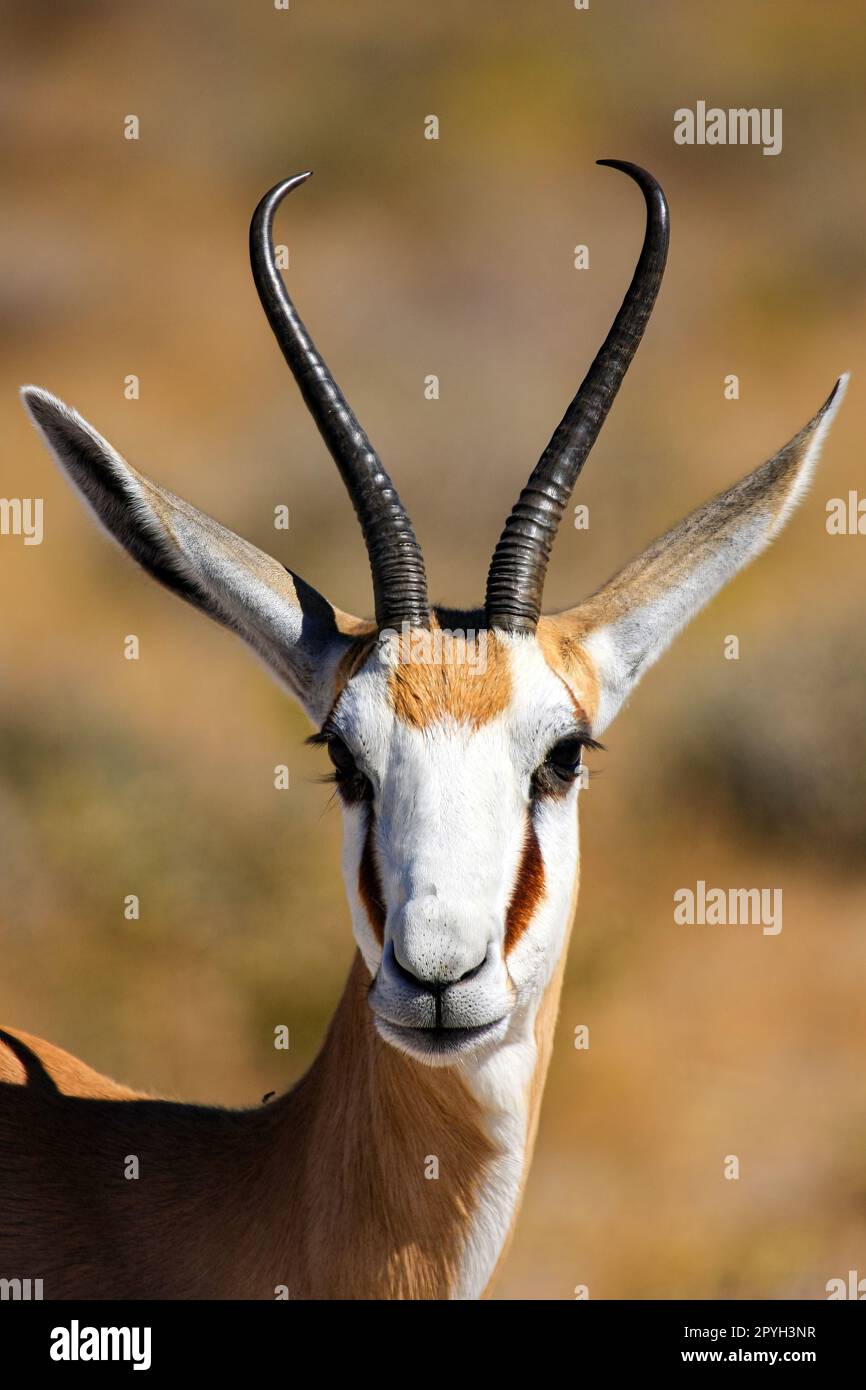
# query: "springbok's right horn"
[[515, 582]]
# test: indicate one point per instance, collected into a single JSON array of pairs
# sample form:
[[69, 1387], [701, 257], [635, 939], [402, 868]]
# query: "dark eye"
[[340, 756], [353, 785], [565, 757], [561, 767]]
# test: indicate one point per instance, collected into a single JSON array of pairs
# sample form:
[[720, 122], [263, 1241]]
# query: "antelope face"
[[457, 761]]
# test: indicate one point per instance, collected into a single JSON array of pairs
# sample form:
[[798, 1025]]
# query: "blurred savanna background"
[[454, 257]]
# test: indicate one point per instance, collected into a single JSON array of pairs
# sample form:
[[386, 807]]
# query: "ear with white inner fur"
[[299, 635], [626, 625]]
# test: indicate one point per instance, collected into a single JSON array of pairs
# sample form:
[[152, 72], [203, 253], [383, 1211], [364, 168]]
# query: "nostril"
[[436, 981], [470, 974], [406, 974]]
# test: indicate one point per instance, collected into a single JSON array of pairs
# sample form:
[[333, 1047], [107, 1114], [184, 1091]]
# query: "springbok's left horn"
[[396, 562], [515, 581]]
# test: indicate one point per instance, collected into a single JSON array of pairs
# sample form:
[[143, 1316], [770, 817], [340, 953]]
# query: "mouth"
[[440, 1047]]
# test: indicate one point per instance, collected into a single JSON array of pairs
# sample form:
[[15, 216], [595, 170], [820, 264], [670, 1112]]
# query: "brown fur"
[[423, 692], [528, 890], [331, 1197], [560, 638], [25, 1060]]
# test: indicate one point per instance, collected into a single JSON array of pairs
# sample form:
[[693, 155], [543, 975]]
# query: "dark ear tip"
[[834, 400], [39, 404], [841, 386], [53, 418]]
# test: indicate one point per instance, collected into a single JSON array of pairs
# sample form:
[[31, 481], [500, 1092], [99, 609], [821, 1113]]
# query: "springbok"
[[395, 1167]]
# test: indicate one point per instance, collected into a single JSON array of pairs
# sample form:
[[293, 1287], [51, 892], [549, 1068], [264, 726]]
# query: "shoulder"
[[29, 1061]]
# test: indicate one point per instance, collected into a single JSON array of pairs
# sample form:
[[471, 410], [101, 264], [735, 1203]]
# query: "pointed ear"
[[295, 631], [626, 625]]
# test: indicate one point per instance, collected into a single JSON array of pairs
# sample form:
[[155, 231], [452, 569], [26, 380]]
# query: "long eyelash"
[[350, 787], [591, 743], [317, 740], [323, 736], [333, 800], [545, 782]]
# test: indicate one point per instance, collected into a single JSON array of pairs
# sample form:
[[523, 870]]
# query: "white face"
[[461, 843]]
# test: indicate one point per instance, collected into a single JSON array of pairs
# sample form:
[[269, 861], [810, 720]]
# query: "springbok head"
[[456, 737]]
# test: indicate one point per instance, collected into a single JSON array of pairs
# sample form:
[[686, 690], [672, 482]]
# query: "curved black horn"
[[515, 581], [396, 562]]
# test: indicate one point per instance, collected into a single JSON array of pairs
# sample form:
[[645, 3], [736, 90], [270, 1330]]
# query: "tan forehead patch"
[[560, 640], [468, 682]]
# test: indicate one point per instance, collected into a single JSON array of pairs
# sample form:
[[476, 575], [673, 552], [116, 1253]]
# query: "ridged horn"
[[396, 562], [515, 581]]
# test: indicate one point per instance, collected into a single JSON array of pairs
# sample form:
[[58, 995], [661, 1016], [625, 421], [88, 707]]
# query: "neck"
[[404, 1181]]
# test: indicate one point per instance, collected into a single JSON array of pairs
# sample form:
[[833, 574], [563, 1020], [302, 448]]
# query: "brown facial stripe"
[[528, 889], [369, 883]]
